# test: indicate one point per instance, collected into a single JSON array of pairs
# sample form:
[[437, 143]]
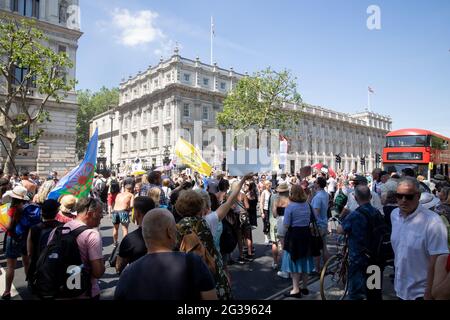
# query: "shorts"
[[111, 198], [122, 217], [15, 248]]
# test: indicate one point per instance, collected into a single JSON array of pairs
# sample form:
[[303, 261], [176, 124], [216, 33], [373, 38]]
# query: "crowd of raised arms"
[[192, 228]]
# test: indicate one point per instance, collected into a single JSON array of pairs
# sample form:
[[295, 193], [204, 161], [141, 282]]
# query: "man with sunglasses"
[[418, 237]]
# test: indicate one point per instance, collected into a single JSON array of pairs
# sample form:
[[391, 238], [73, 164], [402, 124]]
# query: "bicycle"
[[334, 274]]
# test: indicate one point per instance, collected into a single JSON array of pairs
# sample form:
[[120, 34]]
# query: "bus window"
[[407, 141]]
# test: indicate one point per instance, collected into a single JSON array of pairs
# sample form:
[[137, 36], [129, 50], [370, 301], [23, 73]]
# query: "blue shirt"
[[297, 214], [355, 226], [320, 201]]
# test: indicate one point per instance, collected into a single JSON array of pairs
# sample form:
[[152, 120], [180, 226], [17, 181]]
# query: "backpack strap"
[[76, 232]]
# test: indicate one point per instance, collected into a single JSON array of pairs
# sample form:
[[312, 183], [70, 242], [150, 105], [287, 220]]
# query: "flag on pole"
[[191, 157], [78, 182], [370, 90], [213, 31], [4, 218]]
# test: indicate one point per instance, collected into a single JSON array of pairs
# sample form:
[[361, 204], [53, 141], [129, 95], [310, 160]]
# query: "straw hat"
[[19, 192], [68, 203], [283, 187]]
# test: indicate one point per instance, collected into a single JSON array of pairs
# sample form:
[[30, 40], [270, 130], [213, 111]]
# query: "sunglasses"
[[401, 196]]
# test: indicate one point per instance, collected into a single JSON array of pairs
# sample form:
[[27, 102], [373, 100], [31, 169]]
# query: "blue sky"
[[325, 44]]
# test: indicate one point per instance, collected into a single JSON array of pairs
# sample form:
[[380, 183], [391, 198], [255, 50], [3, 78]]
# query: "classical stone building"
[[157, 104], [59, 20]]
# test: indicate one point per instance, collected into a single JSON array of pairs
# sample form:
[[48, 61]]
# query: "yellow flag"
[[191, 157], [4, 218]]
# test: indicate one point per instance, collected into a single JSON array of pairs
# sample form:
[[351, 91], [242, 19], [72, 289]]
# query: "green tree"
[[257, 102], [92, 104], [26, 63]]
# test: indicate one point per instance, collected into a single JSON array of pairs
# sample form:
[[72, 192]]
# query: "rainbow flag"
[[4, 218], [78, 182], [191, 157]]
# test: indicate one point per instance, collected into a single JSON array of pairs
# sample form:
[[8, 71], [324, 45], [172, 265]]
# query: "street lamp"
[[111, 116]]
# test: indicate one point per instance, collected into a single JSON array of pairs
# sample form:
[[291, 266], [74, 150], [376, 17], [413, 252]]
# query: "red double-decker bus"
[[424, 151]]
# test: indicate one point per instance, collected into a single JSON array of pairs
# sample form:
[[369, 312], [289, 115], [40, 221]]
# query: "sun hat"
[[68, 203], [19, 192], [283, 187], [428, 200]]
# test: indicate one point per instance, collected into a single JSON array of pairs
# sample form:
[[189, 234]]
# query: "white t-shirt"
[[414, 239], [352, 205], [331, 185], [266, 194], [212, 220]]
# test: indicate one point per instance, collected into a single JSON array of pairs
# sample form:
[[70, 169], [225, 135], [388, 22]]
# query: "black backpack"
[[114, 186], [50, 280], [228, 239], [379, 248]]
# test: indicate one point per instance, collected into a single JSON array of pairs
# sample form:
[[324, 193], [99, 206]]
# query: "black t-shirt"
[[165, 276], [133, 246]]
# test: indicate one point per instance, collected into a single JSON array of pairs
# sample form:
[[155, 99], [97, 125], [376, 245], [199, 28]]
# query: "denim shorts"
[[15, 248], [122, 217]]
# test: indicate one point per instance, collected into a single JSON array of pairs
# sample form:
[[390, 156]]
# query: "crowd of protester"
[[191, 229]]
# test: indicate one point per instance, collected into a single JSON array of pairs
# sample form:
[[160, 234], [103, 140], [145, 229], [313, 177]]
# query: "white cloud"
[[137, 28]]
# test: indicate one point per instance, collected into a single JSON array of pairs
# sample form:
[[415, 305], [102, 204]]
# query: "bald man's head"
[[159, 229]]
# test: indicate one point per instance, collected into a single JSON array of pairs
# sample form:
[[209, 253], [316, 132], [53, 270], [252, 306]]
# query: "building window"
[[168, 111], [167, 136], [155, 138], [21, 140], [223, 86], [144, 139], [186, 112], [125, 144], [133, 142], [168, 77], [27, 8], [187, 77], [20, 74], [155, 114], [155, 83], [205, 81], [134, 120], [63, 11], [145, 88], [205, 114]]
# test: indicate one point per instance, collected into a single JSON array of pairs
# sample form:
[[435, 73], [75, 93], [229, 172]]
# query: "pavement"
[[254, 280]]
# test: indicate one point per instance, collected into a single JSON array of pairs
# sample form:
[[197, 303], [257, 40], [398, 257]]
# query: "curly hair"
[[44, 190], [189, 203]]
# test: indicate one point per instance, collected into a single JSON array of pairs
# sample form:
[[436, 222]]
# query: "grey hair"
[[206, 198], [411, 181], [362, 193], [155, 225]]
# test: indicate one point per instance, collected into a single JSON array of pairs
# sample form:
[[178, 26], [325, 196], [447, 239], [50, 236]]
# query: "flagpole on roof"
[[212, 37]]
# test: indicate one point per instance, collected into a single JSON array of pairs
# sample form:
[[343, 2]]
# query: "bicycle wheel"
[[333, 279]]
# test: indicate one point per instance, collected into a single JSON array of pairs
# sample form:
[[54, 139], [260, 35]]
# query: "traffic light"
[[377, 158], [338, 159], [363, 161]]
